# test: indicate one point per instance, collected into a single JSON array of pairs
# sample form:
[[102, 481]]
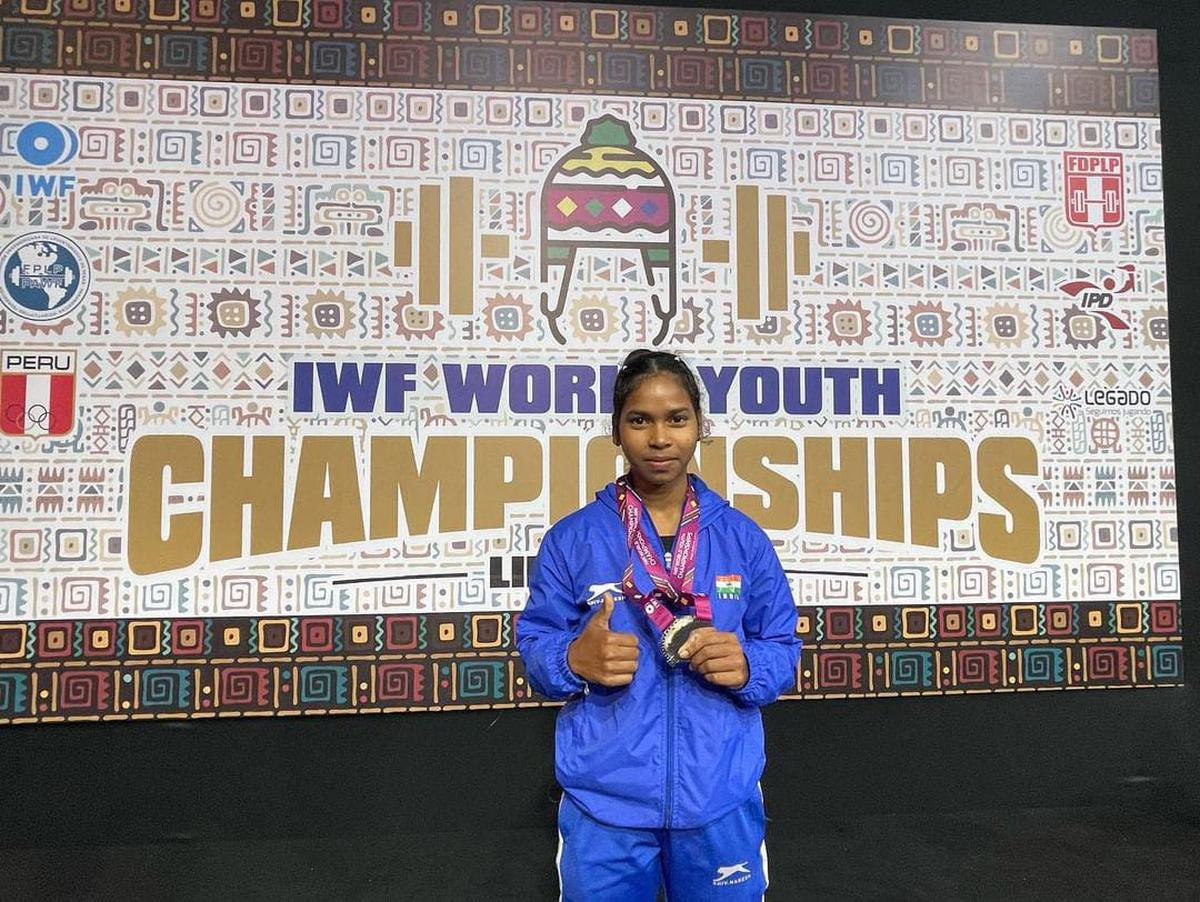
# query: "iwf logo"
[[1095, 189], [41, 144], [37, 392]]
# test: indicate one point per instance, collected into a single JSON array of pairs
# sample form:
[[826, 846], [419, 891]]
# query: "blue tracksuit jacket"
[[669, 749]]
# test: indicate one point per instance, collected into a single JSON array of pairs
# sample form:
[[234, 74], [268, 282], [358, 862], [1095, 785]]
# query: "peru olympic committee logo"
[[37, 392]]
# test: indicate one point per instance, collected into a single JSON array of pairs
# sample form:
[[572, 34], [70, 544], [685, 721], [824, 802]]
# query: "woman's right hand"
[[602, 655]]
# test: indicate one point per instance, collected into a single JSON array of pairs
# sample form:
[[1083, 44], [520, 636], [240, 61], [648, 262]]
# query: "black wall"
[[147, 782]]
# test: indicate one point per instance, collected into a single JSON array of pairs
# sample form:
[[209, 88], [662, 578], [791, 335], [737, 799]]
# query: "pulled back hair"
[[643, 363]]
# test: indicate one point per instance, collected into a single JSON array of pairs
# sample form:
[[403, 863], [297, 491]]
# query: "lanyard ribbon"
[[670, 588]]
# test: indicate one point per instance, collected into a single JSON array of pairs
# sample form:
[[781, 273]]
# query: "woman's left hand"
[[717, 656]]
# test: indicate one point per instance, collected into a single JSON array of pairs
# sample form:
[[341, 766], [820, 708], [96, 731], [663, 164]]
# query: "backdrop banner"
[[310, 313]]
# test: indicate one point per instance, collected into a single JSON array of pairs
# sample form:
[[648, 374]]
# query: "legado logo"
[[1118, 397], [1095, 189], [37, 392], [1098, 299], [42, 144]]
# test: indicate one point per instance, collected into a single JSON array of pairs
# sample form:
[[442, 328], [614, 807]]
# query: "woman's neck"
[[664, 503]]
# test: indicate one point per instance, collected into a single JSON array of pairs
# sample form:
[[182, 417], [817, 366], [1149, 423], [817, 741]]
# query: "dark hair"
[[643, 363]]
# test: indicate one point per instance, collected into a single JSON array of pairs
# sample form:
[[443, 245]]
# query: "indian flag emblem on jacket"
[[729, 587]]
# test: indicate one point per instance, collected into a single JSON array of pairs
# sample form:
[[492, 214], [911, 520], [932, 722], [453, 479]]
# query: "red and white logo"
[[1095, 189], [37, 392], [1097, 299]]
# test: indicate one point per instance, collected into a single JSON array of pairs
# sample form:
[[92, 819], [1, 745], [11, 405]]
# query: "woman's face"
[[658, 430]]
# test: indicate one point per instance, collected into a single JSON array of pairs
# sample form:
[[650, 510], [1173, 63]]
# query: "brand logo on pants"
[[732, 873]]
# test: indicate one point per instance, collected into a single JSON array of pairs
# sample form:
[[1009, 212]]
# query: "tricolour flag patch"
[[729, 587], [37, 392]]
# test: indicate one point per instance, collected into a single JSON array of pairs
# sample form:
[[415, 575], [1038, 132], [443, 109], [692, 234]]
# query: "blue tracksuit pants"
[[723, 860]]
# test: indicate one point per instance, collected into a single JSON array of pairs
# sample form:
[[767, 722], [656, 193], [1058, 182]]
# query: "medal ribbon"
[[670, 588]]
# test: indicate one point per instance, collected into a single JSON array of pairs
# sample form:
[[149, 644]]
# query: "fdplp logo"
[[1094, 184], [42, 144]]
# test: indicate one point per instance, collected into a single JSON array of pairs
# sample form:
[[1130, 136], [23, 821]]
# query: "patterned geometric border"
[[569, 48], [197, 667]]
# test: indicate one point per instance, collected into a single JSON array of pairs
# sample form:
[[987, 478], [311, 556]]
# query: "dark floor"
[[1050, 853]]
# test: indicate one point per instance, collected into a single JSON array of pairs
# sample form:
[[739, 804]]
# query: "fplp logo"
[[43, 276], [42, 144]]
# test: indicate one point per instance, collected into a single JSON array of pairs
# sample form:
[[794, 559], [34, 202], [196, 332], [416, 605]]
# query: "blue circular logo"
[[43, 276], [43, 143]]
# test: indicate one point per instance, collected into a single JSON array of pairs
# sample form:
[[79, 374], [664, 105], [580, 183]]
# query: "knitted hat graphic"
[[607, 194]]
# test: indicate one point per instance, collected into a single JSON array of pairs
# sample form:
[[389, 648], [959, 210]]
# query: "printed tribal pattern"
[[594, 50], [942, 206], [971, 327], [188, 667]]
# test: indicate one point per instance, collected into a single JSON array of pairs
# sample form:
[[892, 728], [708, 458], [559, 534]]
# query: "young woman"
[[665, 618]]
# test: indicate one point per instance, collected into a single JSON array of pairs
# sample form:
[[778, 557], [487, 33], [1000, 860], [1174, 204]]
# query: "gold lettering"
[[322, 458], [564, 476], [514, 469], [782, 507], [494, 492], [928, 456], [889, 489], [996, 458], [232, 489], [396, 477], [148, 550], [849, 480]]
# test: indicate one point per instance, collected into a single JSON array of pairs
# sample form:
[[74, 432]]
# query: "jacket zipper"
[[670, 793], [670, 747]]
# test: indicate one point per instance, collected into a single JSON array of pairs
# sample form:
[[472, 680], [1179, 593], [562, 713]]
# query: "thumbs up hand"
[[602, 655]]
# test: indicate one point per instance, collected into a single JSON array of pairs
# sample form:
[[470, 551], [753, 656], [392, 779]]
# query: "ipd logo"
[[42, 144], [1097, 298]]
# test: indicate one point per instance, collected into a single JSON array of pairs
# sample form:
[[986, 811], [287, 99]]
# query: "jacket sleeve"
[[549, 623], [771, 645]]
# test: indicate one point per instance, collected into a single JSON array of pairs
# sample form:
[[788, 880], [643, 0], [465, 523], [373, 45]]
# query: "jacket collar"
[[712, 505]]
